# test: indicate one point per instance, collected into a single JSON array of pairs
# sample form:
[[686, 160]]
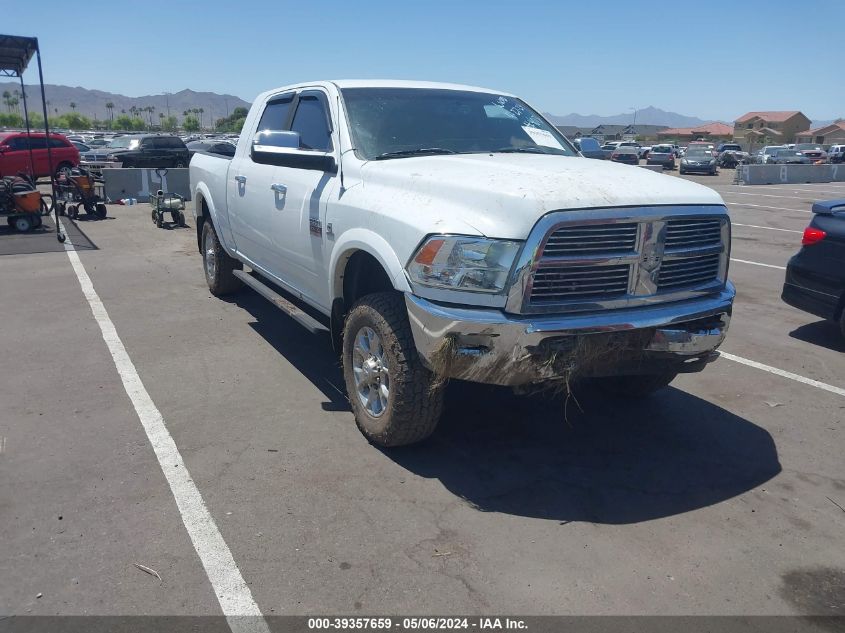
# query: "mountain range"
[[645, 116], [92, 103]]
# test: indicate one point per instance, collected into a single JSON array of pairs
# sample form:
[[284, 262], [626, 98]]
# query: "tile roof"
[[713, 129], [830, 127], [776, 116]]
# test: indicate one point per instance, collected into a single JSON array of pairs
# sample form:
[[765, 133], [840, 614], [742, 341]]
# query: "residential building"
[[769, 128], [825, 135], [707, 132]]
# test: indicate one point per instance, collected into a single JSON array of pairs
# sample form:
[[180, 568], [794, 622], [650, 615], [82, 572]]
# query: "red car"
[[14, 153]]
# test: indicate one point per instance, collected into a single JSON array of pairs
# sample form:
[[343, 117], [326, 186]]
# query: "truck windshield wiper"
[[415, 152], [523, 150]]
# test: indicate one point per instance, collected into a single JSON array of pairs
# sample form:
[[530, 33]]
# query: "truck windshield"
[[401, 122]]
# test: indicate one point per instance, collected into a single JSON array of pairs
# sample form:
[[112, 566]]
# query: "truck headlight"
[[463, 263]]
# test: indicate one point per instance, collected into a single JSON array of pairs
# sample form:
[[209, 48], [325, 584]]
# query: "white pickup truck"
[[442, 231]]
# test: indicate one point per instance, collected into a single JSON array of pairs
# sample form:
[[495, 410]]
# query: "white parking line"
[[798, 186], [765, 206], [762, 195], [768, 228], [236, 601], [745, 261], [805, 189], [785, 374]]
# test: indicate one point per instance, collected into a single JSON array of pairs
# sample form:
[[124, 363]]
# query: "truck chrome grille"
[[592, 239], [688, 271], [556, 284], [693, 232], [649, 255]]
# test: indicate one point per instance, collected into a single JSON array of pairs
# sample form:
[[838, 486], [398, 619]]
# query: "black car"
[[589, 147], [627, 155], [212, 146], [815, 276], [141, 150], [698, 159]]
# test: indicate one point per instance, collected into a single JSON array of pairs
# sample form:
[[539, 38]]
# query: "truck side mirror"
[[273, 138], [282, 148]]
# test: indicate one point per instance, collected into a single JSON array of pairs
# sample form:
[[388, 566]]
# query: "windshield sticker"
[[543, 138]]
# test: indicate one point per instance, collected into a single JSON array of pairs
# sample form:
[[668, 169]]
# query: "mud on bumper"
[[489, 346]]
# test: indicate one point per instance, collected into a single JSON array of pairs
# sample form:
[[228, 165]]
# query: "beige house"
[[833, 134], [769, 128]]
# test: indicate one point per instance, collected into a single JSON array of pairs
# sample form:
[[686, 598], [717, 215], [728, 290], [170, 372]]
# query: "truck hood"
[[503, 195]]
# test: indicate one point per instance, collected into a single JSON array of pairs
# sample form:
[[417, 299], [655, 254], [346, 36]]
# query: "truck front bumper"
[[489, 346]]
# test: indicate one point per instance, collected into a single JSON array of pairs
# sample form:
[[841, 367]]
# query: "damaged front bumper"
[[489, 346]]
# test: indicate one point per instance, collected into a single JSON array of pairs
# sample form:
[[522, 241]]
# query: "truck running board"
[[304, 319]]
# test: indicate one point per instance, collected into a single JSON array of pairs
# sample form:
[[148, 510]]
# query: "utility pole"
[[167, 101]]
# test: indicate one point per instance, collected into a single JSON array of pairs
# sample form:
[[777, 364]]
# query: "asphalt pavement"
[[722, 495]]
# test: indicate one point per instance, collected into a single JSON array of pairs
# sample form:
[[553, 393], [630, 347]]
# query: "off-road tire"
[[639, 386], [223, 281], [416, 397]]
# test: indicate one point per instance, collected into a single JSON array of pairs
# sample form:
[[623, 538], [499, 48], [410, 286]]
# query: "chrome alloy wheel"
[[371, 373], [210, 255]]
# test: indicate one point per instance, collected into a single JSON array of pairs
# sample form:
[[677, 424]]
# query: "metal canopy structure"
[[15, 54], [16, 51]]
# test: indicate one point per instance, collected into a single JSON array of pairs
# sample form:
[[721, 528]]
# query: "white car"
[[440, 231]]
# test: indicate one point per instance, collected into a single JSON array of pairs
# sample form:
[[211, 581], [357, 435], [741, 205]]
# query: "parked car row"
[[799, 154]]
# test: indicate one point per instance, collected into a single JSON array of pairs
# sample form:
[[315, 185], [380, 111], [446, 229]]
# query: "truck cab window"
[[312, 124], [275, 115]]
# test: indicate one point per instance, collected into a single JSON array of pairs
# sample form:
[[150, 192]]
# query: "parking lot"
[[724, 494]]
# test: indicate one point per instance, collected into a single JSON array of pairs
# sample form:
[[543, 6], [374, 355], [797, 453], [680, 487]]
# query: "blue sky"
[[712, 59]]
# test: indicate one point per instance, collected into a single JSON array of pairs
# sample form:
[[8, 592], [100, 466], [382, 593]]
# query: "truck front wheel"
[[636, 386], [217, 264], [395, 399]]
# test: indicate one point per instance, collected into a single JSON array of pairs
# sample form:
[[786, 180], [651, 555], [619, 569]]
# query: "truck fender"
[[219, 220], [361, 239]]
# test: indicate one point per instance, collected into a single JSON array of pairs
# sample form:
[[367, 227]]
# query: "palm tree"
[[161, 120], [200, 110], [110, 108], [73, 106], [7, 97]]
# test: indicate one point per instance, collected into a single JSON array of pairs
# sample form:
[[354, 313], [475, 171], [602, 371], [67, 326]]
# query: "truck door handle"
[[279, 189], [240, 179]]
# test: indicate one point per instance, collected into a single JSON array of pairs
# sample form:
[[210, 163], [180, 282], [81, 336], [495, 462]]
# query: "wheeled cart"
[[171, 203], [78, 189], [20, 204]]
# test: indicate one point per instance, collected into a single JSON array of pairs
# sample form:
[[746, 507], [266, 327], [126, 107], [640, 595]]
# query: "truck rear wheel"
[[638, 386], [395, 399], [217, 264]]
